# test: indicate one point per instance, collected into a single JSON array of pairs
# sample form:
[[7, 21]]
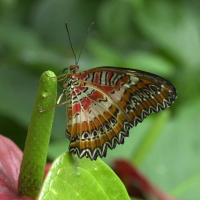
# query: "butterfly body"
[[104, 103]]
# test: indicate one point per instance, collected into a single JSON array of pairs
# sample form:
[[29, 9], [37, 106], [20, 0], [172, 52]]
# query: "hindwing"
[[106, 102]]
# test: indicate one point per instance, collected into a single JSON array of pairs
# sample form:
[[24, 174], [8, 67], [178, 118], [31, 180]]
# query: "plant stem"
[[185, 186], [37, 141], [150, 138]]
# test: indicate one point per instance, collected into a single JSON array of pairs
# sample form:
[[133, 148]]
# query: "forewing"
[[107, 102]]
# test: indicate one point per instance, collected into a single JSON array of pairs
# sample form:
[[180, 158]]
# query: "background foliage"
[[162, 37]]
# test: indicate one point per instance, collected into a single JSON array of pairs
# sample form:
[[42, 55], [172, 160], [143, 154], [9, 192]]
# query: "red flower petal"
[[10, 161]]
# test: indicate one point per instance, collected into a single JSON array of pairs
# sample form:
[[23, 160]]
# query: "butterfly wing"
[[106, 102]]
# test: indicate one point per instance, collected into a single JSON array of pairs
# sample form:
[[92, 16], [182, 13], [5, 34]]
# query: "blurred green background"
[[161, 37]]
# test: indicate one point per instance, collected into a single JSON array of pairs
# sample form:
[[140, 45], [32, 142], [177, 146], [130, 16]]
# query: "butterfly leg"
[[50, 76], [56, 105], [57, 76]]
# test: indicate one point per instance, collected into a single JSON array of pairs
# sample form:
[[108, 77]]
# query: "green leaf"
[[171, 26], [104, 54], [150, 62], [74, 178], [173, 162]]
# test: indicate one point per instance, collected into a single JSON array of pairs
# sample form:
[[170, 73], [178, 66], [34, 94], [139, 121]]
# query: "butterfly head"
[[74, 69]]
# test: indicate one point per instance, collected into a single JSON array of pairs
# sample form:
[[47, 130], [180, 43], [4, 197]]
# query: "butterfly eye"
[[74, 69]]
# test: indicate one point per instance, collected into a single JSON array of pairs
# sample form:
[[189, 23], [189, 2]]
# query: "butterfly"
[[104, 103]]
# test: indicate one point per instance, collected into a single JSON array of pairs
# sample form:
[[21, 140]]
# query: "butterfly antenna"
[[71, 43], [84, 41]]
